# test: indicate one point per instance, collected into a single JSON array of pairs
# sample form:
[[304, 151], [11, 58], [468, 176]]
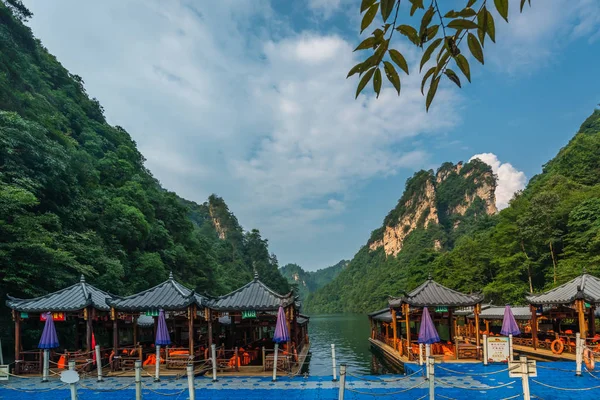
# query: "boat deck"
[[393, 355]]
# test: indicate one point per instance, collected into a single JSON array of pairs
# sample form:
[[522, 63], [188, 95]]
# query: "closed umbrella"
[[281, 335], [509, 324], [162, 339], [427, 332], [49, 340]]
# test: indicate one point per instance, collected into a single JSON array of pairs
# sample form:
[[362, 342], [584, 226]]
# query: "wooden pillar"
[[592, 321], [407, 314], [534, 327], [113, 315], [487, 327], [88, 329], [191, 316], [580, 306], [394, 329], [451, 330], [208, 316], [476, 311], [17, 318], [135, 331]]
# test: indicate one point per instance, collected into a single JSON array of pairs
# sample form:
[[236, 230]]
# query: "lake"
[[350, 334]]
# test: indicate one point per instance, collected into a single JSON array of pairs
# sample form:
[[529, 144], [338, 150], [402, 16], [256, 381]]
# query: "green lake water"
[[350, 334]]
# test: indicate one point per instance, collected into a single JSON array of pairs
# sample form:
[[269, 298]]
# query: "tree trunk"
[[553, 261], [528, 267]]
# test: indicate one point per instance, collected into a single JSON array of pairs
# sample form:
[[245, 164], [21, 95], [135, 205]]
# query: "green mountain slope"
[[75, 197], [306, 282], [548, 234]]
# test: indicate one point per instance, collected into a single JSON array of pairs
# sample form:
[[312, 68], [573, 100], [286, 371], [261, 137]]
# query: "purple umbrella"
[[509, 324], [281, 332], [427, 332], [49, 339], [162, 334]]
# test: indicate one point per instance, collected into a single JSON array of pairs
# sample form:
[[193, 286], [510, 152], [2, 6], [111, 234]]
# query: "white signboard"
[[515, 369], [498, 349], [3, 372]]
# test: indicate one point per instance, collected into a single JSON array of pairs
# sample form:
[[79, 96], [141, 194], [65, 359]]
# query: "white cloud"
[[510, 180], [324, 7]]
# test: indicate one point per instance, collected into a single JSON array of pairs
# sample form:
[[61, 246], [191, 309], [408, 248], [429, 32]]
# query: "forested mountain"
[[306, 282], [75, 197], [549, 233]]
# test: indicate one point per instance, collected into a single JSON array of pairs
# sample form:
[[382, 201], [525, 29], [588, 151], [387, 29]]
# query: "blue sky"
[[248, 99]]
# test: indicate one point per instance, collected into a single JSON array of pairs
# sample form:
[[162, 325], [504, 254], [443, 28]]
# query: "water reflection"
[[349, 333]]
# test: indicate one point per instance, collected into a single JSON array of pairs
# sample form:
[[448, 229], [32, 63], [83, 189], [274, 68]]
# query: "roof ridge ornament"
[[255, 274], [82, 279], [430, 278], [171, 276]]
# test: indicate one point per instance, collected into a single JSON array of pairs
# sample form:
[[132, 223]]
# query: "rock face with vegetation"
[[306, 282], [547, 235], [75, 197]]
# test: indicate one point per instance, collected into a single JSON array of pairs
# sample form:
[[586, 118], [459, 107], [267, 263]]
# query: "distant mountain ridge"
[[306, 282]]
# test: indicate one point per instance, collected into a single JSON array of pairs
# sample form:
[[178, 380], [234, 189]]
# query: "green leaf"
[[429, 51], [452, 76], [441, 62], [399, 60], [426, 20], [416, 4], [409, 32], [366, 4], [380, 52], [462, 24], [392, 75], [377, 82], [490, 28], [467, 13], [522, 4], [387, 6], [354, 70], [451, 14], [364, 80], [368, 43], [463, 64], [471, 2], [432, 31], [368, 17], [431, 92], [482, 22], [425, 77], [475, 47], [502, 7]]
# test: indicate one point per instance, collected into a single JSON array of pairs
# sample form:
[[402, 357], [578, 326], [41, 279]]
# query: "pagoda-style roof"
[[73, 298], [432, 294], [497, 312], [169, 296], [584, 287], [303, 319], [255, 295], [384, 315]]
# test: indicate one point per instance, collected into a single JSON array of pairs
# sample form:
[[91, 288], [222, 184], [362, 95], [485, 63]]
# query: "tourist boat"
[[240, 325], [549, 325]]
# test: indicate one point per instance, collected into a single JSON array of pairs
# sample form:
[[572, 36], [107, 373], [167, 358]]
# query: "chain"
[[164, 394], [565, 389], [470, 373], [385, 394], [592, 375], [475, 388], [362, 378], [105, 390], [556, 369], [34, 391]]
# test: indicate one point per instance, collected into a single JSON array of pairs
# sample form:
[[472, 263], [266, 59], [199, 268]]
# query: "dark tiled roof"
[[73, 298], [496, 312], [384, 315], [169, 295], [432, 293], [585, 286], [302, 319], [252, 296]]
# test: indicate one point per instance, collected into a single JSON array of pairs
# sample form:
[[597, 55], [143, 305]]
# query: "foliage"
[[473, 22]]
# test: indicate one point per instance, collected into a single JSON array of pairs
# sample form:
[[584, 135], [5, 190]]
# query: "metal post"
[[190, 376], [275, 362], [427, 355], [72, 385], [46, 365], [421, 354], [578, 354], [485, 354], [157, 366], [525, 377], [510, 347], [431, 365], [342, 381], [333, 361], [213, 355], [138, 380], [98, 363]]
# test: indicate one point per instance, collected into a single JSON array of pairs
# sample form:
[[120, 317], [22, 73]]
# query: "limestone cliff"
[[441, 199]]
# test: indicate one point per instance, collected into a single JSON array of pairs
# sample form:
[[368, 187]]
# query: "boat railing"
[[284, 360]]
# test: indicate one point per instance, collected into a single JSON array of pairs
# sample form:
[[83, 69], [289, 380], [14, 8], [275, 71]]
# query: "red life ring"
[[588, 358], [557, 346]]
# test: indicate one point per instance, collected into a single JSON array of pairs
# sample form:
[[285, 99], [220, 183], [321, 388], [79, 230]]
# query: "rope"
[[385, 394], [565, 389], [164, 394], [362, 378], [34, 391], [533, 396], [105, 390], [592, 375], [556, 369], [476, 388], [470, 373]]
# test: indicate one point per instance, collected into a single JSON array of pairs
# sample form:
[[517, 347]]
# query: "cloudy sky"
[[248, 99]]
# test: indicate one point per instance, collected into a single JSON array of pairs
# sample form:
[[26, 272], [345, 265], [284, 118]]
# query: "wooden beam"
[[113, 314], [17, 317], [407, 313], [592, 321], [88, 330], [534, 327], [191, 315], [208, 316], [476, 311], [580, 305], [451, 329], [394, 329]]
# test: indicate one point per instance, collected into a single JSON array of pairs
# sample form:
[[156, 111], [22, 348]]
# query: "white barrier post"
[[427, 355], [333, 362], [72, 385], [510, 348], [213, 355], [485, 354], [525, 377], [421, 354], [98, 363], [342, 381], [46, 365], [431, 368], [190, 376], [157, 366], [275, 362], [138, 380], [578, 354]]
